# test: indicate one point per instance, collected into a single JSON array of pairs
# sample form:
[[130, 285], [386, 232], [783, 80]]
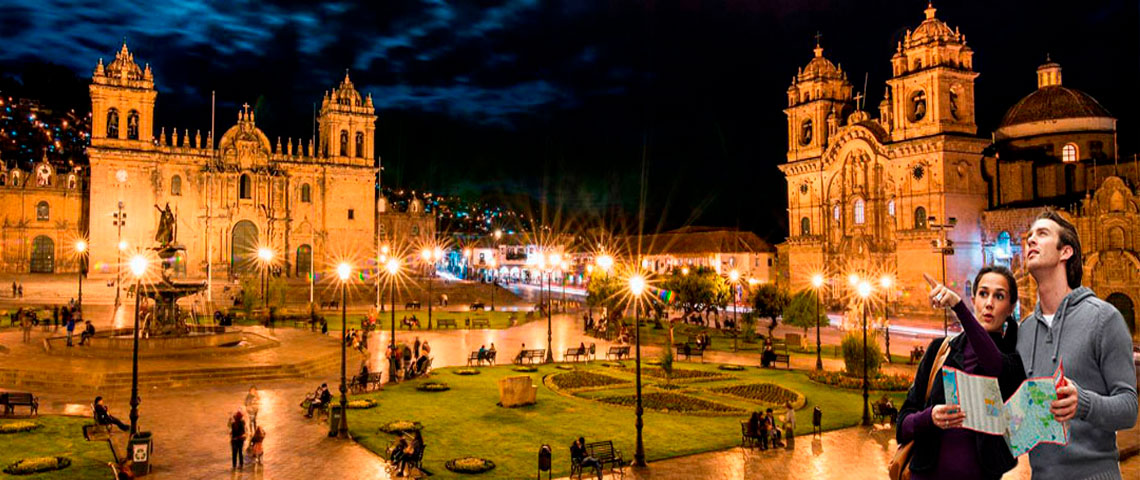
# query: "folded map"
[[1024, 420]]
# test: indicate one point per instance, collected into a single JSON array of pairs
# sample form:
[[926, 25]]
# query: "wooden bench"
[[371, 383], [573, 352], [478, 306], [692, 351], [331, 304], [474, 357], [531, 356], [412, 305], [480, 323], [783, 358], [747, 440], [11, 400], [446, 322], [883, 412], [618, 351], [606, 454]]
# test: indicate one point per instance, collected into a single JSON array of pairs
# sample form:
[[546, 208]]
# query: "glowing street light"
[[343, 271], [265, 255], [817, 283], [138, 267], [605, 261], [864, 290], [734, 278], [637, 287], [81, 249], [393, 269], [853, 279], [886, 281]]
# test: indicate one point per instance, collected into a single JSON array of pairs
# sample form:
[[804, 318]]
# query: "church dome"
[[346, 94], [820, 67], [1052, 101], [933, 29], [124, 62]]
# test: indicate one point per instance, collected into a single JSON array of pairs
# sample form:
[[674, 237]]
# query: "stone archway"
[[1127, 309], [43, 255], [243, 245]]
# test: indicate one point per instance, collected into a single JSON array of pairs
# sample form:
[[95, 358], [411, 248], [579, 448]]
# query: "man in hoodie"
[[1097, 395]]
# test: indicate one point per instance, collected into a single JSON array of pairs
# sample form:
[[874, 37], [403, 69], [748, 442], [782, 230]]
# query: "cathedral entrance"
[[304, 261], [243, 257], [1124, 304], [43, 255]]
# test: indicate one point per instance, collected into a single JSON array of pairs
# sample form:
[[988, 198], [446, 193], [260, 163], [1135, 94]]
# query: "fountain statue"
[[166, 320]]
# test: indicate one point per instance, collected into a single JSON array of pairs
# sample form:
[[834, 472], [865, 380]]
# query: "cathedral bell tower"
[[348, 125], [122, 102], [932, 82], [818, 99]]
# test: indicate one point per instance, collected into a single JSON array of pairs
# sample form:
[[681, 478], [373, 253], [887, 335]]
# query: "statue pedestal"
[[516, 391]]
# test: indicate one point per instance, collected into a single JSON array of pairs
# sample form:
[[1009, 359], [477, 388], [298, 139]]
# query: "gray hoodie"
[[1089, 334]]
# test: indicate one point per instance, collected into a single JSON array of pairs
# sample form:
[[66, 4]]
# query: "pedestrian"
[[789, 421], [252, 405], [1096, 396], [237, 440], [55, 317], [324, 326], [256, 447], [70, 330], [21, 290], [26, 325], [13, 289], [87, 334], [416, 348]]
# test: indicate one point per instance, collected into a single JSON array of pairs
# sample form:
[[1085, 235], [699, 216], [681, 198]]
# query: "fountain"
[[165, 320]]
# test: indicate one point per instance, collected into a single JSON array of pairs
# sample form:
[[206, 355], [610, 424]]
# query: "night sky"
[[565, 101]]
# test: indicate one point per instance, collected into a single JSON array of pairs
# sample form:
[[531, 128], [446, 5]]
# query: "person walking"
[[70, 329], [256, 444], [252, 405], [237, 440]]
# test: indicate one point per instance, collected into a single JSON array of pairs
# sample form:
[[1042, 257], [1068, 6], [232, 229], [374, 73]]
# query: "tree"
[[852, 345], [803, 311], [769, 301], [701, 290], [604, 291]]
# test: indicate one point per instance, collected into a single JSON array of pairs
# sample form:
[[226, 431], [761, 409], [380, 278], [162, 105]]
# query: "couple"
[[1096, 397]]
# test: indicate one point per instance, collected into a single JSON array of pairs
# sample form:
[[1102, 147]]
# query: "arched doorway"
[[43, 255], [243, 257], [304, 261], [1124, 304]]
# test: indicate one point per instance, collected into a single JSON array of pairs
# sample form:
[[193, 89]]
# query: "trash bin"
[[335, 414], [544, 455], [139, 449]]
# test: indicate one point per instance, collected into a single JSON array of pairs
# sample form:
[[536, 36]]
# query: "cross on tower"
[[818, 37], [245, 106], [858, 98]]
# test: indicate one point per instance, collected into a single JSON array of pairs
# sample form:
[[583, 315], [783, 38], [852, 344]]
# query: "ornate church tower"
[[817, 101], [122, 103], [932, 84], [348, 124]]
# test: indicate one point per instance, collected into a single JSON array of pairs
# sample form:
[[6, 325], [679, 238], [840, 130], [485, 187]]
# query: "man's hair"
[[1074, 266]]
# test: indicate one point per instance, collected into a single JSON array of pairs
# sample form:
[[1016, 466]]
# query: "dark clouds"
[[564, 98]]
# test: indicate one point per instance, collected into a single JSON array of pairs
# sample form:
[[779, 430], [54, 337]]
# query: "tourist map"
[[1024, 420]]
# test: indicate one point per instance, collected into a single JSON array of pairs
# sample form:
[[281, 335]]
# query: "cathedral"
[[311, 203], [916, 189]]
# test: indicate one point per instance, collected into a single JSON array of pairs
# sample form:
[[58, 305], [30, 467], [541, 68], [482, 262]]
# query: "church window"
[[835, 212], [954, 103], [918, 172], [805, 226], [860, 217], [133, 125], [1003, 251], [917, 106], [43, 211], [415, 230], [1069, 153], [112, 123], [344, 143], [72, 182], [891, 208], [920, 218], [176, 186], [805, 132], [351, 214], [245, 187], [359, 145], [804, 188], [306, 193]]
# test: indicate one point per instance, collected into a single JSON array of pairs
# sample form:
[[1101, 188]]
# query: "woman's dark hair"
[[1000, 270]]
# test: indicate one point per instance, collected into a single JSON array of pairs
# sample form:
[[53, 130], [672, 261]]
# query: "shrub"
[[888, 382], [667, 363], [28, 466], [731, 368], [469, 465], [433, 387], [466, 371], [853, 353], [579, 379], [525, 369], [17, 427], [764, 392], [671, 402], [564, 367], [401, 426], [361, 404]]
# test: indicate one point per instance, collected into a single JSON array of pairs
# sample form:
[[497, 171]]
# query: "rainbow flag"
[[665, 296]]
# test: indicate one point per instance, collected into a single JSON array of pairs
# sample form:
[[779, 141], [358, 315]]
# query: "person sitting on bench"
[[522, 353], [102, 417], [322, 400], [88, 332], [768, 357], [363, 377], [482, 353], [579, 457]]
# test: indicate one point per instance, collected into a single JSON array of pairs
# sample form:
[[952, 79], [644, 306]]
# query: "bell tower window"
[[344, 143], [860, 216], [805, 132], [133, 125], [805, 226], [920, 218], [917, 106], [112, 123], [359, 148]]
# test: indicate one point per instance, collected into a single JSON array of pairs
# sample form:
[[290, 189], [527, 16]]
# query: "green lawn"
[[59, 437], [466, 420], [498, 319]]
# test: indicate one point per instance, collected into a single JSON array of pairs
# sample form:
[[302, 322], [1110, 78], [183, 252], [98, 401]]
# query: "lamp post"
[[817, 282], [943, 246], [552, 262], [494, 282], [138, 268], [120, 220], [886, 281], [864, 290], [466, 262], [383, 261], [393, 267], [343, 271], [265, 254], [430, 256], [637, 287], [565, 266], [81, 249], [734, 278]]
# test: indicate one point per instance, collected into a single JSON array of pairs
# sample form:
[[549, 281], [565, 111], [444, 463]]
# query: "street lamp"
[[393, 268], [138, 267], [864, 290], [565, 266], [342, 272], [494, 282], [430, 256], [383, 259], [265, 254], [81, 249], [886, 281], [637, 287], [466, 262], [817, 283], [120, 220], [734, 278], [943, 246], [605, 261], [549, 265]]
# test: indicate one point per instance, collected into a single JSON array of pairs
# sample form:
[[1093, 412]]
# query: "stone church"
[[916, 189], [312, 202]]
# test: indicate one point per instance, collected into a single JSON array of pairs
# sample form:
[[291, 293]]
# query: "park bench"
[[477, 306], [331, 304], [412, 305], [574, 352], [884, 412], [446, 322], [474, 357], [11, 400], [531, 356], [369, 384], [692, 351], [606, 454], [783, 358], [618, 351], [480, 323], [747, 440]]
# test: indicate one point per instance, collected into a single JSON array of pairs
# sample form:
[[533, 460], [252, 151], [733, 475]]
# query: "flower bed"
[[731, 368], [580, 379], [28, 466], [401, 426], [19, 426], [678, 374], [364, 403], [669, 386], [433, 387], [672, 402], [469, 465], [564, 367], [892, 383], [525, 369], [466, 371], [613, 364], [763, 392]]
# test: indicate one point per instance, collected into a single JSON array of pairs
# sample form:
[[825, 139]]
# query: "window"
[[859, 216], [1096, 149], [112, 123], [1069, 153], [805, 226], [917, 105], [351, 214], [359, 145], [382, 230], [415, 230], [805, 132], [919, 218], [306, 193], [245, 187], [176, 186], [344, 143], [891, 208], [133, 125], [43, 211], [835, 212]]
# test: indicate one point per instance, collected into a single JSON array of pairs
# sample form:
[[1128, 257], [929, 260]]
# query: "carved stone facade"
[[43, 211]]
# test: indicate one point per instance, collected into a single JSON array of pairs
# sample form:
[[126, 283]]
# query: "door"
[[243, 257]]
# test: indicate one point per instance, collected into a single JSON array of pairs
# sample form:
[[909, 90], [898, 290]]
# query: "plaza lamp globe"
[[816, 283], [864, 291], [637, 287], [81, 249], [122, 245], [605, 261], [343, 271], [80, 246], [138, 266], [886, 281], [853, 279]]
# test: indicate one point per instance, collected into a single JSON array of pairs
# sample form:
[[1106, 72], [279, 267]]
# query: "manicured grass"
[[59, 437], [499, 319], [465, 421]]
